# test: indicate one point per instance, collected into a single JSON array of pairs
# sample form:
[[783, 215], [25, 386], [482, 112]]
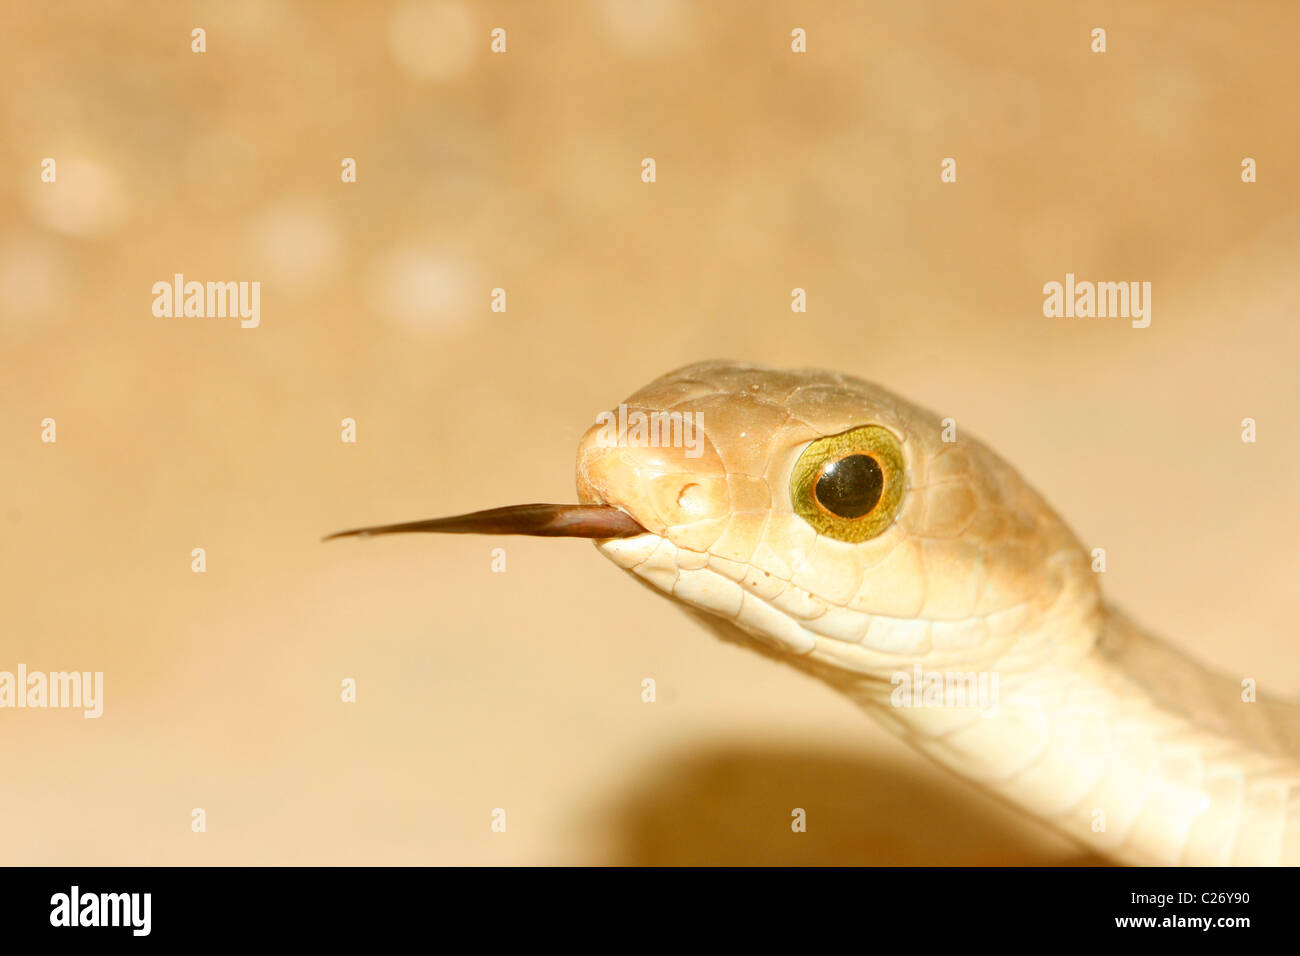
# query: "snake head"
[[833, 521]]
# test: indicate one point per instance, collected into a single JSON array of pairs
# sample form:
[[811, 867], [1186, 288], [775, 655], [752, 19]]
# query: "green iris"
[[849, 486]]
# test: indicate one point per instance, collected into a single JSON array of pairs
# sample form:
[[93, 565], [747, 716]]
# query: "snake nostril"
[[691, 499]]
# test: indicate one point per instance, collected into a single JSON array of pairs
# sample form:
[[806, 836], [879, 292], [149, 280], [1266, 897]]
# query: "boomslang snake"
[[850, 533]]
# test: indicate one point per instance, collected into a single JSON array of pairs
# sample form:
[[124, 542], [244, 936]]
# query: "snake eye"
[[849, 486]]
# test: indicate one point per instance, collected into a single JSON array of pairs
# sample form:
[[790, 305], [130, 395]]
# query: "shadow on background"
[[732, 806]]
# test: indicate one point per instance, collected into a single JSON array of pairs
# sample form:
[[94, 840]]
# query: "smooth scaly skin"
[[1112, 736]]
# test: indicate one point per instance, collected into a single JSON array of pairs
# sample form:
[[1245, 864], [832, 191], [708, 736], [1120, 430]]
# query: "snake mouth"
[[541, 520]]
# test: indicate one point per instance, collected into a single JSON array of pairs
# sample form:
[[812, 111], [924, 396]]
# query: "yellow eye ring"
[[849, 486]]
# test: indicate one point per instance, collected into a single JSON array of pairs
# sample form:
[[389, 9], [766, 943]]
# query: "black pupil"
[[851, 486]]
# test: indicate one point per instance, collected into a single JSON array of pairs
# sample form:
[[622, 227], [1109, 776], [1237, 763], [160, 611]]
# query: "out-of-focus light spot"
[[298, 243], [33, 280], [416, 289], [433, 39], [645, 26], [86, 200]]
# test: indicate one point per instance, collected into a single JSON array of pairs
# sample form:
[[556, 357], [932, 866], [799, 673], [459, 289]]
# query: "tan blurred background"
[[522, 171]]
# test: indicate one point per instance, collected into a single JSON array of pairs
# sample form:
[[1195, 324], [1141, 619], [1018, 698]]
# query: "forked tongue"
[[547, 521]]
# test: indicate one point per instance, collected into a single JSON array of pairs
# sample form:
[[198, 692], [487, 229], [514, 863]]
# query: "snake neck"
[[1083, 720], [1126, 745]]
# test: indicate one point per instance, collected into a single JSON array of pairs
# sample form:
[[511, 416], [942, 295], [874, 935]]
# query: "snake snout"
[[660, 485]]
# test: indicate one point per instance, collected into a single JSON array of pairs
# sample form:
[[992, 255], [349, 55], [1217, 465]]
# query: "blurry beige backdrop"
[[522, 171]]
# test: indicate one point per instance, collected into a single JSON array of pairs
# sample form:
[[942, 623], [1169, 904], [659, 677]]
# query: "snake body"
[[1082, 719]]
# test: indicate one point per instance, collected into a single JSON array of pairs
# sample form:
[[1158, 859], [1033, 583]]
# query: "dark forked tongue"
[[547, 521]]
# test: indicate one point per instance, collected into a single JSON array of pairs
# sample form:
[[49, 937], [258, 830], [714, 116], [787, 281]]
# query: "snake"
[[824, 521]]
